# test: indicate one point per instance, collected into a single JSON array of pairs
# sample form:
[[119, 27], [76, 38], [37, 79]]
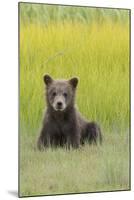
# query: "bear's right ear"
[[47, 79]]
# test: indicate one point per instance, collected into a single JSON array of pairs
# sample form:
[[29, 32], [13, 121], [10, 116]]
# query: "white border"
[[9, 98]]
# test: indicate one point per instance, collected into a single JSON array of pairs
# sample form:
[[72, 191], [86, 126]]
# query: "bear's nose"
[[59, 103]]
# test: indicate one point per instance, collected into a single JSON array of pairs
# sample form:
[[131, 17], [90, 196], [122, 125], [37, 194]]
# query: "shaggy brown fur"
[[62, 123]]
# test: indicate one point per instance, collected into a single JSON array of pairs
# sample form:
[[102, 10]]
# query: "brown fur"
[[63, 124]]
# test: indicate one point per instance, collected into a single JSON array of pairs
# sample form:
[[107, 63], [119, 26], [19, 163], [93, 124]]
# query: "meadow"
[[93, 45]]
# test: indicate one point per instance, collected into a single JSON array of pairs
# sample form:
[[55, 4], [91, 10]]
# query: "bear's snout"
[[59, 104]]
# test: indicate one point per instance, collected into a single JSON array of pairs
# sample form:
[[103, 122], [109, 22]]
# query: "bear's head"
[[60, 94]]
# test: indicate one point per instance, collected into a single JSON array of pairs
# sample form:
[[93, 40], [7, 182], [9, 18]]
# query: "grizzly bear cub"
[[62, 124]]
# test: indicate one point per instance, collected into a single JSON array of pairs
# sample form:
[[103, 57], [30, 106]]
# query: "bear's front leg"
[[73, 139], [44, 139]]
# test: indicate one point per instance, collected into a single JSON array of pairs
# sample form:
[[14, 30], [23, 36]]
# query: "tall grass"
[[39, 13], [97, 54], [66, 42]]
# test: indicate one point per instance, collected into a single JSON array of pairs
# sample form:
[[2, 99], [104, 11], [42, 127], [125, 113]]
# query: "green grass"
[[89, 169], [39, 13], [98, 53]]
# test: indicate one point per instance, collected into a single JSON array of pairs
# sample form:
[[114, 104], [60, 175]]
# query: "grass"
[[89, 169], [39, 13], [98, 53]]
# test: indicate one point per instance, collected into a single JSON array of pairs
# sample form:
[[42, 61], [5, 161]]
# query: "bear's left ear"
[[74, 82]]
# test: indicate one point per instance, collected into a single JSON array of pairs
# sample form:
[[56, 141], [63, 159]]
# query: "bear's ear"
[[74, 82], [47, 79]]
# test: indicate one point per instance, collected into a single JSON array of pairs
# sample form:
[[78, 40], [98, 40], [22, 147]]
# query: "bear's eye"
[[65, 94], [54, 94]]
